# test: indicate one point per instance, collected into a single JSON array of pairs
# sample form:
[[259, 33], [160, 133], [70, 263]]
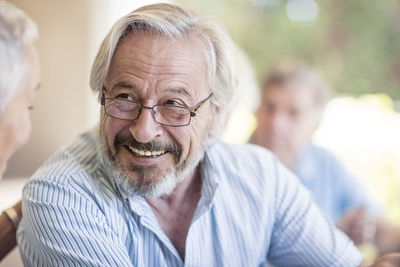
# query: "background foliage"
[[355, 44]]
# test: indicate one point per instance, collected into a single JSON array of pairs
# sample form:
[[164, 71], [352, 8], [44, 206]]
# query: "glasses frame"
[[192, 110]]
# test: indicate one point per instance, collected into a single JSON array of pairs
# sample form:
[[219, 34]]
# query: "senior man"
[[151, 186]]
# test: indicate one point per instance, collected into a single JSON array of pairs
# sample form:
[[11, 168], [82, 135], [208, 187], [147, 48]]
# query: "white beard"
[[165, 185]]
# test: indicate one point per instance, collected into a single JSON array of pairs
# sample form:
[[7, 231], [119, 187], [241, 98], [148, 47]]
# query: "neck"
[[175, 211], [187, 189], [290, 161]]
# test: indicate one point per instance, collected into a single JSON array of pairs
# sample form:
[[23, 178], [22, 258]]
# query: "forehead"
[[290, 96], [154, 60], [32, 79], [33, 58]]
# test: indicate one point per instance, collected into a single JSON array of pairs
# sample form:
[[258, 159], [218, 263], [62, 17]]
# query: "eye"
[[294, 113], [174, 102], [270, 108], [124, 96]]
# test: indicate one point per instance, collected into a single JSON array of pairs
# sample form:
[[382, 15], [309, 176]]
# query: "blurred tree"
[[355, 43]]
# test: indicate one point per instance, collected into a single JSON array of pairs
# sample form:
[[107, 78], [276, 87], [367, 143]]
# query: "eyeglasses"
[[166, 114]]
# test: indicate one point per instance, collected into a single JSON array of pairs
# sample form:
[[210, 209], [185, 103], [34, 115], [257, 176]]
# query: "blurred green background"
[[355, 44]]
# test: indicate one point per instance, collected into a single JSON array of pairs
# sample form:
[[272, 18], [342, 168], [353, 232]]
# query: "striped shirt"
[[251, 211], [334, 189]]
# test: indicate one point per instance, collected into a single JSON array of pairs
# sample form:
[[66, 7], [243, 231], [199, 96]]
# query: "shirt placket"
[[147, 219]]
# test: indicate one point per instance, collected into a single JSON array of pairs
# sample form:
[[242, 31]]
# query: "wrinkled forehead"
[[145, 59], [291, 98], [292, 90], [198, 48], [162, 42]]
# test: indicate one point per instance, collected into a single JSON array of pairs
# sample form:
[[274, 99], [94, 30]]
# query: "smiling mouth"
[[147, 153]]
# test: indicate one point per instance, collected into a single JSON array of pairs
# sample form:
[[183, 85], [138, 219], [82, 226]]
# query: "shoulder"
[[76, 157], [321, 157], [237, 156], [315, 151], [71, 173], [248, 169]]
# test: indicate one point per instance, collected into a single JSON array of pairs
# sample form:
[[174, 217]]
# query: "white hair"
[[175, 22], [17, 33]]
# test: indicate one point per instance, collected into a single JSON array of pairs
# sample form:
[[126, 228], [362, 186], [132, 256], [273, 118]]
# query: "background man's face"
[[154, 70], [287, 118]]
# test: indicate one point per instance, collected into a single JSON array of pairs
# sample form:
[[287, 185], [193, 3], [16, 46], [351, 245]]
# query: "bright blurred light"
[[240, 126], [302, 10], [241, 122], [364, 133]]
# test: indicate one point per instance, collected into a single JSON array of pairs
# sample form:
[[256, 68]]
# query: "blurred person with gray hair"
[[152, 185], [19, 79], [293, 99]]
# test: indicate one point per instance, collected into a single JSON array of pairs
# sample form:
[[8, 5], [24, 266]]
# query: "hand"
[[389, 260], [387, 236], [358, 226]]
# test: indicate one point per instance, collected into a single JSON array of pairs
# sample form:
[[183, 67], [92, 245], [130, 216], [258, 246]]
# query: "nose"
[[145, 128], [278, 123]]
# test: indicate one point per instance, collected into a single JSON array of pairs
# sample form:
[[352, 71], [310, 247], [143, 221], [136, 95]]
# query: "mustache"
[[121, 140]]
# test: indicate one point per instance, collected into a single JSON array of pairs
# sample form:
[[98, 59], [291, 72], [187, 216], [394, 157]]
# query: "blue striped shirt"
[[335, 190], [251, 210]]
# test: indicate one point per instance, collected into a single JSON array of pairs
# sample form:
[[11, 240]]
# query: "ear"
[[217, 122], [258, 112]]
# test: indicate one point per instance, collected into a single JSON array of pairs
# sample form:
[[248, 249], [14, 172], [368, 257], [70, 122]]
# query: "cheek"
[[301, 132], [267, 127], [26, 129], [19, 130], [110, 128], [260, 115], [262, 122], [195, 136]]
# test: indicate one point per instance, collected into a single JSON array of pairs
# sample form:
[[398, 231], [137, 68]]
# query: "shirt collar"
[[208, 188]]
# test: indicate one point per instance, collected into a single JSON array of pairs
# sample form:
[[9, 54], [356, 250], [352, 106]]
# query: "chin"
[[140, 183], [149, 181]]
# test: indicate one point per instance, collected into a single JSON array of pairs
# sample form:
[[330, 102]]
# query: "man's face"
[[154, 70], [287, 118], [15, 122]]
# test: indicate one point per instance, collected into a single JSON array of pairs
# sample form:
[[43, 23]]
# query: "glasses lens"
[[172, 115], [122, 109]]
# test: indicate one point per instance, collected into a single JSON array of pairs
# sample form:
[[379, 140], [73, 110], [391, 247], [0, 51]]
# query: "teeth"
[[147, 153]]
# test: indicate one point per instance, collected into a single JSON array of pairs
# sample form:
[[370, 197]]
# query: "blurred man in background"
[[293, 98], [19, 79]]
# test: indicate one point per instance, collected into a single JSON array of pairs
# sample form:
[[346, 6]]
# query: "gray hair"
[[299, 73], [175, 22], [17, 33]]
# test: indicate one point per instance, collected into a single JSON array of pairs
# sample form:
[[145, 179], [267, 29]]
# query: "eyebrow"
[[179, 90], [123, 85]]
